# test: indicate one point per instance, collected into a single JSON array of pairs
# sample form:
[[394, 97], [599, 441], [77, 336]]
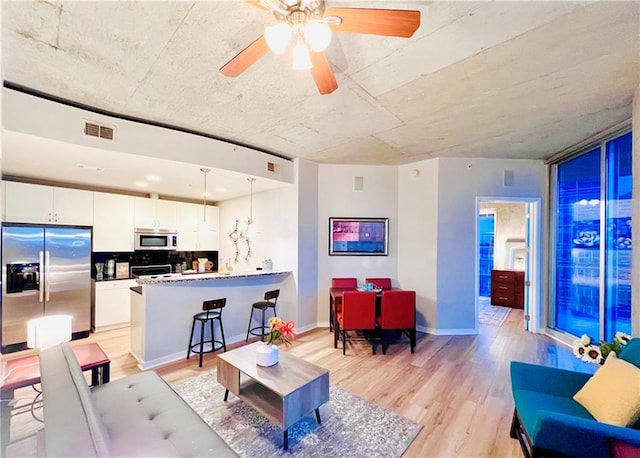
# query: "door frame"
[[533, 275]]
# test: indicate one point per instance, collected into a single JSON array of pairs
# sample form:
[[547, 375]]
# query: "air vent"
[[273, 167], [92, 129], [358, 183], [508, 179]]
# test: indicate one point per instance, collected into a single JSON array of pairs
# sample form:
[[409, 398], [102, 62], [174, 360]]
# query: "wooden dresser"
[[507, 288]]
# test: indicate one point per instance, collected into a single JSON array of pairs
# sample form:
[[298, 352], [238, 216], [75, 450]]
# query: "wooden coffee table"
[[284, 393]]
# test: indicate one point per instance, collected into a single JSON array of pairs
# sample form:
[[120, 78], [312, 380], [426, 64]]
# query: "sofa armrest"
[[544, 379], [72, 424], [588, 437]]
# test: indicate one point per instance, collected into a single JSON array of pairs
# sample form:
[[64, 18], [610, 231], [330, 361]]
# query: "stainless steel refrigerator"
[[46, 270]]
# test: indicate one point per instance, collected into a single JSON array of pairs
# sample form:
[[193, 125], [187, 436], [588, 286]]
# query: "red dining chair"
[[346, 283], [358, 314], [398, 312], [379, 283], [334, 305]]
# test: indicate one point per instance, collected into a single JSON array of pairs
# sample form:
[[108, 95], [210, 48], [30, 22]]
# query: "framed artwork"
[[358, 236]]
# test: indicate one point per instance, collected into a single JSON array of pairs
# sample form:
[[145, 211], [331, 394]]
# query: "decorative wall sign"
[[358, 236]]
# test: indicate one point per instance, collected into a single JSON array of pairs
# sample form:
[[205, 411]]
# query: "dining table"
[[335, 301]]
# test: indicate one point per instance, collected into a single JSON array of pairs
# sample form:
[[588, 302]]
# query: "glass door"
[[591, 290], [617, 298]]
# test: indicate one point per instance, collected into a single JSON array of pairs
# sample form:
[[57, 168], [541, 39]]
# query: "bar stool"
[[263, 306], [212, 310]]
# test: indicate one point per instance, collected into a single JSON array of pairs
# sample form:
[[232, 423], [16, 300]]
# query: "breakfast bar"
[[162, 308]]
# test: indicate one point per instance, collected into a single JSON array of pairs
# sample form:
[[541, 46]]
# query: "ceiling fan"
[[305, 25]]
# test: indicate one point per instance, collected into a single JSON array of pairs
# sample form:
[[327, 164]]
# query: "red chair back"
[[383, 283], [398, 310], [344, 283], [358, 310]]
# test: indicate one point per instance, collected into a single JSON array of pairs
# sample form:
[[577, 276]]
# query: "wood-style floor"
[[458, 387]]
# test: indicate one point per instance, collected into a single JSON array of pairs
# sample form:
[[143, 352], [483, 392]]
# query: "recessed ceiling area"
[[477, 79], [79, 165]]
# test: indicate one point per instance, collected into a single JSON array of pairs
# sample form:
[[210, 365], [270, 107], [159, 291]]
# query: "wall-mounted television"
[[358, 236]]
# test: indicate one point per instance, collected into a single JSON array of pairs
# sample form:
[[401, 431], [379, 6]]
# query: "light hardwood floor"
[[458, 387]]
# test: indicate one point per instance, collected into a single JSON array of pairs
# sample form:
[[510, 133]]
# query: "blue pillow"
[[631, 352]]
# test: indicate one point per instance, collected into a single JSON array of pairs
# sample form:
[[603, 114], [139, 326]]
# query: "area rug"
[[351, 426], [492, 314]]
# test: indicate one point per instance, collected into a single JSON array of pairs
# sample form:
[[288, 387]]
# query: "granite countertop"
[[174, 278]]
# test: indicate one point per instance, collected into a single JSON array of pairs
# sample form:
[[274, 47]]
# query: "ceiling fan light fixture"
[[278, 37], [301, 58], [318, 35]]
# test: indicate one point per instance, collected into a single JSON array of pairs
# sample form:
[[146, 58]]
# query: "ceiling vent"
[[92, 129], [358, 183], [508, 179], [273, 167]]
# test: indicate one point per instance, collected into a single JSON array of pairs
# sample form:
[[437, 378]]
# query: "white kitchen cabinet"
[[113, 222], [210, 241], [189, 218], [155, 213], [112, 304], [34, 203]]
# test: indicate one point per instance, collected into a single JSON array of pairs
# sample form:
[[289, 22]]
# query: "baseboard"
[[240, 338], [447, 332]]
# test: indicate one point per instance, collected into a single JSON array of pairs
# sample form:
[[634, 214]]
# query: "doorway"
[[516, 242]]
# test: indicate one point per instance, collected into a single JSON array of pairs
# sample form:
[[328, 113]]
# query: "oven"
[[155, 239], [150, 270]]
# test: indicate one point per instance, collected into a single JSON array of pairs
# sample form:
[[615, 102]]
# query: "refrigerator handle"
[[40, 276], [47, 282]]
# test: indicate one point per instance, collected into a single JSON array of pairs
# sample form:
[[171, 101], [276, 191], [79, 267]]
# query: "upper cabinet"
[[113, 222], [30, 203], [155, 213], [190, 218]]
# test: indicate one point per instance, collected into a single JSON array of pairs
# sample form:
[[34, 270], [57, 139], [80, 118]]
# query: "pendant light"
[[250, 232], [204, 227]]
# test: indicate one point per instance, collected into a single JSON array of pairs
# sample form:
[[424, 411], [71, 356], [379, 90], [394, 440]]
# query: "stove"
[[150, 271]]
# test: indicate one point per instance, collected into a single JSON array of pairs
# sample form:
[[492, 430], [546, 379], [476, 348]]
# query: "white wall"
[[418, 237], [307, 249], [336, 198], [460, 181], [286, 219], [275, 217], [44, 118]]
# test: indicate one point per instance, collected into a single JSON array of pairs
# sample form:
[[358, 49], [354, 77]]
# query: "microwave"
[[155, 239]]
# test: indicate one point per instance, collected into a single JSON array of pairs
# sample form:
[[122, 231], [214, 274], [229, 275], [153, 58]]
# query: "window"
[[591, 290]]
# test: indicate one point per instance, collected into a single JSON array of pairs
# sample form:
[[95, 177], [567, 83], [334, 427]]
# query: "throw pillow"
[[631, 352], [612, 395]]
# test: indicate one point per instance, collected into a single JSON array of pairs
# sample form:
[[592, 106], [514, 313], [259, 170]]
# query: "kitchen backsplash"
[[147, 258]]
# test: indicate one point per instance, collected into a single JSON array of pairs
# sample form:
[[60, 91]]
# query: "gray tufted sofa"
[[139, 415]]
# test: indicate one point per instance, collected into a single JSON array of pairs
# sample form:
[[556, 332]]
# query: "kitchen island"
[[162, 308]]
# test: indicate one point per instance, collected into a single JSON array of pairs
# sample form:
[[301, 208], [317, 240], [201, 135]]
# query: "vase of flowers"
[[585, 349], [280, 331]]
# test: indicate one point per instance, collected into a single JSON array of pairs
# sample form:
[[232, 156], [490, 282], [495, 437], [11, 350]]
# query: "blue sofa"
[[548, 422]]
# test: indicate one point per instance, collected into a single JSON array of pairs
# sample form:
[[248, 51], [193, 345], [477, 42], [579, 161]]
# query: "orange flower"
[[281, 331]]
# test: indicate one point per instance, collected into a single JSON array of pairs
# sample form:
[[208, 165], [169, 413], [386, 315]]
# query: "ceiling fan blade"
[[322, 73], [270, 5], [257, 3], [245, 58], [393, 23]]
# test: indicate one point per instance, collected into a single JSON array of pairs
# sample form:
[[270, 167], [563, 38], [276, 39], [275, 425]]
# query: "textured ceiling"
[[484, 79]]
